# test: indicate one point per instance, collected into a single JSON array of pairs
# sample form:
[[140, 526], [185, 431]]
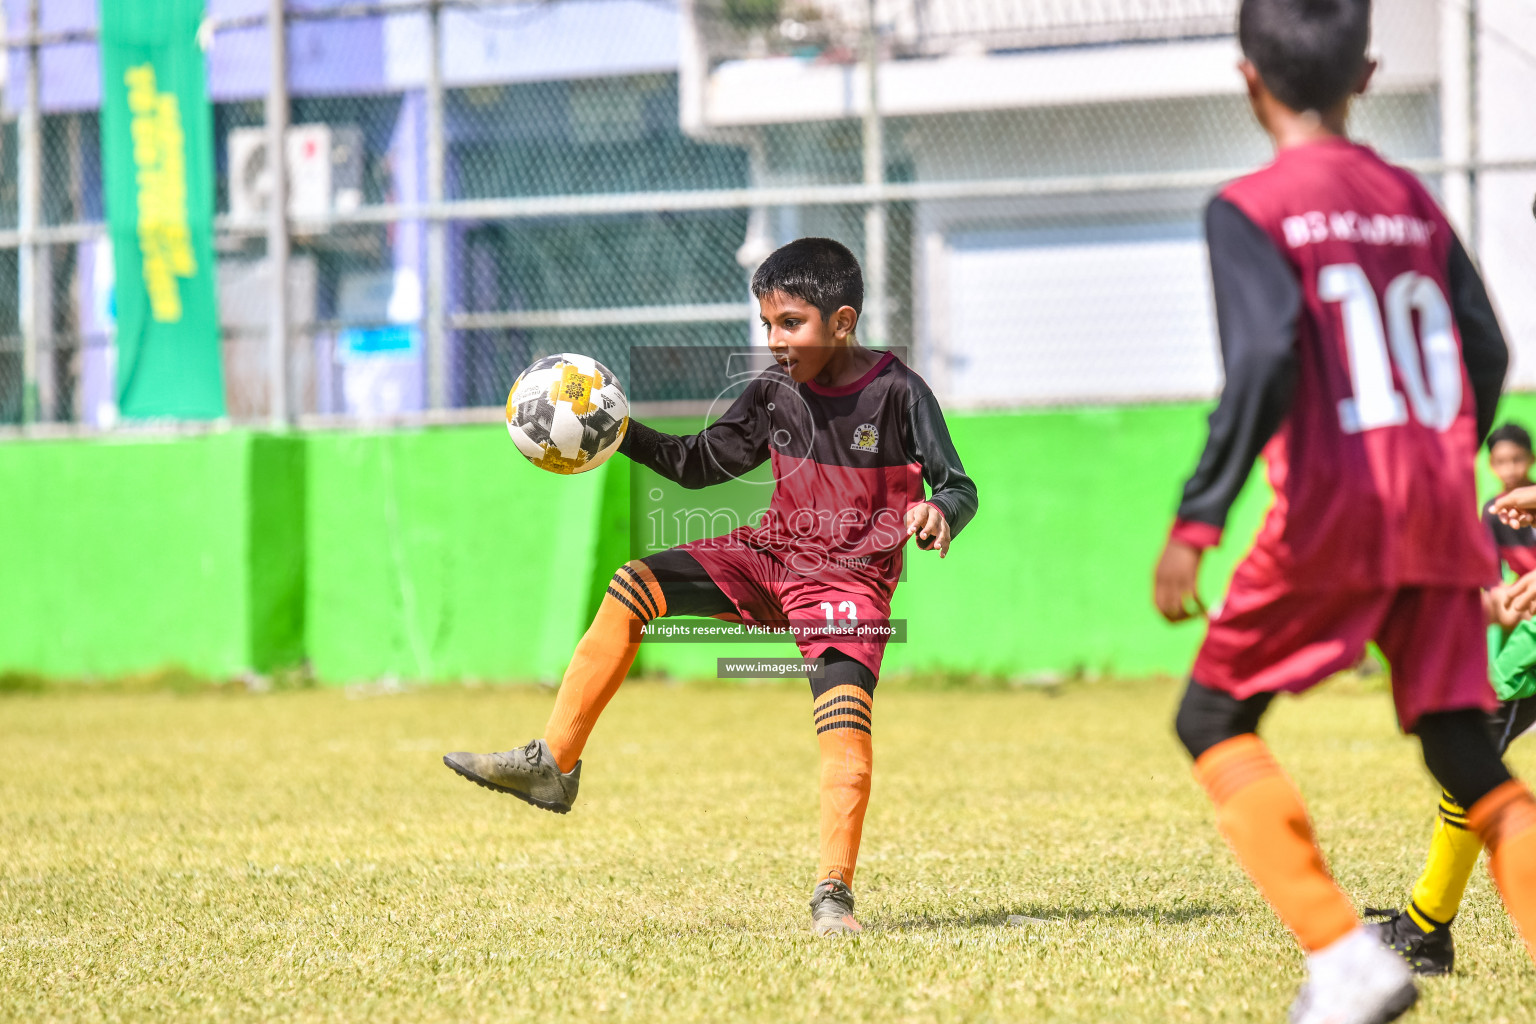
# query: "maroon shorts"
[[1267, 637], [835, 609]]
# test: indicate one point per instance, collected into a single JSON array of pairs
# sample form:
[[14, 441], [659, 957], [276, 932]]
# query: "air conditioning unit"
[[325, 171]]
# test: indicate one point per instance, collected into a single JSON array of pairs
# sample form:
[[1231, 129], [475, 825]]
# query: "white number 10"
[[1431, 376]]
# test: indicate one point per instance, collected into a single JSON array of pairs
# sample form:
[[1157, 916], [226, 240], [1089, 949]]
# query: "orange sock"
[[602, 660], [1264, 820], [1505, 820], [843, 720]]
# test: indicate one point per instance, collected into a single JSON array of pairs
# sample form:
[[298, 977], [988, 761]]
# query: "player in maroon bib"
[[1364, 361], [1510, 458], [854, 437]]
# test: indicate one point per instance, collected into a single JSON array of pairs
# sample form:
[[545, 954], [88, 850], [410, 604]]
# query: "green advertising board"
[[157, 156]]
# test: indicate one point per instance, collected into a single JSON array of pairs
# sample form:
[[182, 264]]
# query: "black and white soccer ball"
[[567, 413]]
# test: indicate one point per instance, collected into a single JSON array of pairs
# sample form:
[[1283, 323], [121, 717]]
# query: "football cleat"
[[832, 909], [1357, 980], [1428, 953], [528, 773]]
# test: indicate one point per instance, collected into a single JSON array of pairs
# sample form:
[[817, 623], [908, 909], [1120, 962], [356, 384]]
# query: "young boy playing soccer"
[[1363, 358], [1421, 932], [853, 435]]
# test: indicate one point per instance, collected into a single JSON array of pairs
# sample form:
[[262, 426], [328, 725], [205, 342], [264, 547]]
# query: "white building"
[[1059, 155]]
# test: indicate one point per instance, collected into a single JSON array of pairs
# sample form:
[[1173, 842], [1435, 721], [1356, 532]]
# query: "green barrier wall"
[[441, 555], [127, 556]]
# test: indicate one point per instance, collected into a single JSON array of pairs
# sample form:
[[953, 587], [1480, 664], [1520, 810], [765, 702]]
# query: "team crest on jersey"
[[866, 438]]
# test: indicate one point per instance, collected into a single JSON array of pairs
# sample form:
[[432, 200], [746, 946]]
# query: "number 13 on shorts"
[[846, 609]]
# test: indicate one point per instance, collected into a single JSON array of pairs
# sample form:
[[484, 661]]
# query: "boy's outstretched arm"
[[1258, 301], [952, 500], [734, 444]]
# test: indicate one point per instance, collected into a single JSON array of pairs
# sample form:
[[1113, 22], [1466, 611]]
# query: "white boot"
[[1357, 980]]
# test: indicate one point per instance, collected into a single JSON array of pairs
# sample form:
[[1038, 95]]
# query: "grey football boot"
[[528, 773], [832, 909]]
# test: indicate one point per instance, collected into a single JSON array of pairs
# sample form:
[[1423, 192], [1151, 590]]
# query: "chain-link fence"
[[474, 183]]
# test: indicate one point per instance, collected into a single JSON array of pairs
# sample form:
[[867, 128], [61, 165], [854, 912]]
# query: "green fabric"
[[157, 160], [1514, 668], [135, 554]]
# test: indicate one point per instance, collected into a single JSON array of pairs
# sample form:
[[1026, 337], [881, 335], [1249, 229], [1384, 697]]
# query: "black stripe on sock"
[[639, 599], [847, 698], [1420, 911], [639, 586], [1455, 819], [625, 602], [645, 591], [843, 725], [855, 712]]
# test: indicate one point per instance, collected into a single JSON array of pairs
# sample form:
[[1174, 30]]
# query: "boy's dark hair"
[[1310, 53], [1512, 432], [815, 270]]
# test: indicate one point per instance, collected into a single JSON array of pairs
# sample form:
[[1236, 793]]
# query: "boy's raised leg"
[[546, 772], [602, 660]]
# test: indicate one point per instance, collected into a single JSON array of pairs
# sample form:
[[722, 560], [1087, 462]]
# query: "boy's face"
[[1510, 463], [800, 338]]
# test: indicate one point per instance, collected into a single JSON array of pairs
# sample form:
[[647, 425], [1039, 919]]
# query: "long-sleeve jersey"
[[1363, 358], [848, 462]]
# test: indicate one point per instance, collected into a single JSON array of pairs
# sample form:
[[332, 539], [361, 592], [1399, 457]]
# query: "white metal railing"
[[939, 26]]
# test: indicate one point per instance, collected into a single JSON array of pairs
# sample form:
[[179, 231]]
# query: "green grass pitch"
[[305, 856]]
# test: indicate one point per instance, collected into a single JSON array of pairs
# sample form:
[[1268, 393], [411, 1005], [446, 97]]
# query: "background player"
[[1363, 357], [1510, 458], [1421, 932], [853, 436]]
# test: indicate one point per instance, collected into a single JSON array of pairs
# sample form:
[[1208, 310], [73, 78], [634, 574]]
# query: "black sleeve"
[[950, 490], [734, 444], [1258, 302], [1482, 343]]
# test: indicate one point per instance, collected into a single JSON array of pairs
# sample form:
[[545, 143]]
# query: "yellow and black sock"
[[1264, 820], [1505, 820], [602, 660], [1453, 853], [843, 718]]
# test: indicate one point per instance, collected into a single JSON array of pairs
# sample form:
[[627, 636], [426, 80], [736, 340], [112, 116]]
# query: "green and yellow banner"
[[157, 157]]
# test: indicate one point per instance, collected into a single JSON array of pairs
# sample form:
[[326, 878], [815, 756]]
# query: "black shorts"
[[1512, 720]]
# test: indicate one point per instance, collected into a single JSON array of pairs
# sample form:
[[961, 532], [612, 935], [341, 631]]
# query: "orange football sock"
[[1262, 817], [1506, 822], [602, 660], [842, 717]]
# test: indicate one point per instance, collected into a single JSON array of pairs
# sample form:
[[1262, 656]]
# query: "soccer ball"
[[567, 413]]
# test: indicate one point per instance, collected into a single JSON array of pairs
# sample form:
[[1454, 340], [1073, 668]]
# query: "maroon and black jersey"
[[1517, 548], [848, 463], [1363, 358]]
